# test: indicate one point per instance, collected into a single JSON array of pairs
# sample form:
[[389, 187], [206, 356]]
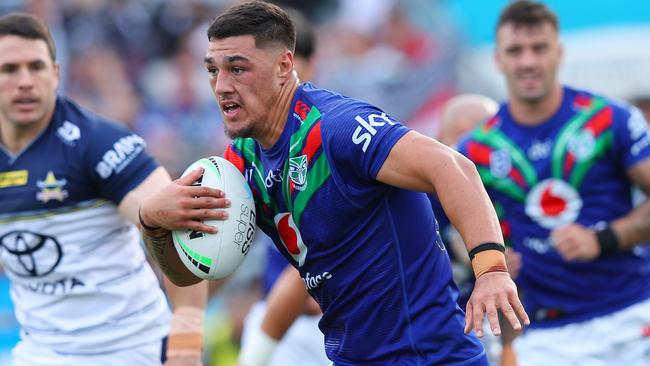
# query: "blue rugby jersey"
[[570, 168], [368, 252], [80, 281]]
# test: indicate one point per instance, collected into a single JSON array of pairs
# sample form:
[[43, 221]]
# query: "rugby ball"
[[215, 256]]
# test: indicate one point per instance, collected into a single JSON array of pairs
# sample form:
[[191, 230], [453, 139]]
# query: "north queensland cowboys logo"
[[298, 171], [290, 236], [51, 188], [553, 202]]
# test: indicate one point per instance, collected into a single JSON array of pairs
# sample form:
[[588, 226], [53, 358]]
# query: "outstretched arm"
[[188, 303], [420, 163]]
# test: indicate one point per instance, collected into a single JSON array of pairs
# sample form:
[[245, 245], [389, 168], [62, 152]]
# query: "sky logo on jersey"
[[51, 188], [120, 155], [14, 178], [290, 236], [553, 202], [298, 171], [366, 129]]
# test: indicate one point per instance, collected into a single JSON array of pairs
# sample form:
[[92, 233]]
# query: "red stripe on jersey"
[[231, 155], [517, 177], [478, 153], [600, 121], [313, 143]]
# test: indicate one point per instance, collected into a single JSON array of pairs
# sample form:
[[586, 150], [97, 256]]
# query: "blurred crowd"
[[139, 62]]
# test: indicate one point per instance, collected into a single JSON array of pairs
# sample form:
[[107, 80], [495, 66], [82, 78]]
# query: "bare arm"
[[178, 205], [577, 242], [159, 244], [188, 303], [285, 303], [634, 228], [423, 164], [419, 163]]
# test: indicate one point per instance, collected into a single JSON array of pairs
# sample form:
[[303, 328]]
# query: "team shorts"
[[620, 338]]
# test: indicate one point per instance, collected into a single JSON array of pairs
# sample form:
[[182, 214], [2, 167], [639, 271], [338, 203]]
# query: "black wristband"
[[607, 241], [145, 226], [486, 246]]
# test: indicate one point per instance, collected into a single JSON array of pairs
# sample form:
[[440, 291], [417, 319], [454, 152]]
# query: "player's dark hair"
[[527, 13], [27, 26], [305, 37], [264, 21]]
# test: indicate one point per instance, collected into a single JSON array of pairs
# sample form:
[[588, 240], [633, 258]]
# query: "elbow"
[[466, 166]]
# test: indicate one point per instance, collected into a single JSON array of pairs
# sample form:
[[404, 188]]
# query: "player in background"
[[282, 328], [70, 186], [559, 164], [346, 213]]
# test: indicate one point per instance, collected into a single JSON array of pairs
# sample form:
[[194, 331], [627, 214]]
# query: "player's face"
[[28, 82], [528, 57], [245, 81]]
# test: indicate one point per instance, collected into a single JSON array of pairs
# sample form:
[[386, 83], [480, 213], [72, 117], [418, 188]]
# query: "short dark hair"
[[266, 22], [27, 26], [527, 13], [305, 37]]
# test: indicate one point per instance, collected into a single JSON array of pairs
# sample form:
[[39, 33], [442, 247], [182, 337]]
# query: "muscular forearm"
[[468, 206], [161, 248]]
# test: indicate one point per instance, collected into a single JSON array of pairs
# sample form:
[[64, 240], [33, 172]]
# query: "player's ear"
[[57, 74], [497, 58], [285, 64]]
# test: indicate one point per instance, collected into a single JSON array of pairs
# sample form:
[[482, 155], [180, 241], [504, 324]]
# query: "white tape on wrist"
[[258, 350]]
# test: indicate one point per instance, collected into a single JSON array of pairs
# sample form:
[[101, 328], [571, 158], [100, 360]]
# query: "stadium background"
[[140, 62]]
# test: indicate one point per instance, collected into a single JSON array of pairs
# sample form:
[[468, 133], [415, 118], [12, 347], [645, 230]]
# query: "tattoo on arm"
[[158, 243]]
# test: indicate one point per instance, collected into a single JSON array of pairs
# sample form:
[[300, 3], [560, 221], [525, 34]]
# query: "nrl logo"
[[298, 171]]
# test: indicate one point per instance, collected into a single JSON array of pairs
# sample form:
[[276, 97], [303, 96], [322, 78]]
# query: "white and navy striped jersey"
[[80, 279]]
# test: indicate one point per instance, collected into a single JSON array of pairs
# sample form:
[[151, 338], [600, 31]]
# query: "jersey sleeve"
[[357, 141], [116, 160], [631, 135]]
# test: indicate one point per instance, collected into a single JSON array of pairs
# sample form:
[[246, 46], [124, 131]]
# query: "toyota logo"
[[29, 254]]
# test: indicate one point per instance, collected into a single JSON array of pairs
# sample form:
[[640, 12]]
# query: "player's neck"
[[278, 115], [15, 138], [533, 113]]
